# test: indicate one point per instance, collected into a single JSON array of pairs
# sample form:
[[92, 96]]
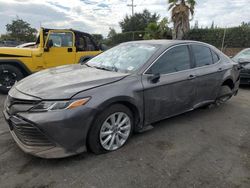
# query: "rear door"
[[174, 91], [209, 73], [63, 51]]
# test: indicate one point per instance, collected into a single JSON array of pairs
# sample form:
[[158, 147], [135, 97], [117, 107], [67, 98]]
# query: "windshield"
[[245, 54], [124, 58]]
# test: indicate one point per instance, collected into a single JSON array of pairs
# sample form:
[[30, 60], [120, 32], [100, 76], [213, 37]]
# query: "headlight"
[[58, 105]]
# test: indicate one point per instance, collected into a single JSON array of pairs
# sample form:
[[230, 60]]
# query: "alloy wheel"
[[115, 131]]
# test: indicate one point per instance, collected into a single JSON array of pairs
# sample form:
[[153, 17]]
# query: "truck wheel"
[[8, 76]]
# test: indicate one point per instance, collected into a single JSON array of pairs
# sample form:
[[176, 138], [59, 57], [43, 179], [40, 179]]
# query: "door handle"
[[220, 69], [70, 50], [190, 77]]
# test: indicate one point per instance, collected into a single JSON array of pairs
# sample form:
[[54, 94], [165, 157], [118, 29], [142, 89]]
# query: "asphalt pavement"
[[204, 148]]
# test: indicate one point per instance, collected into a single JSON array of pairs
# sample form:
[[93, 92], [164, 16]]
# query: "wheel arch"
[[83, 59], [126, 101], [228, 82], [17, 63]]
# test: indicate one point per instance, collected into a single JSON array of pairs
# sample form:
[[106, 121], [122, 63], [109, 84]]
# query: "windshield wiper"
[[102, 68], [114, 69], [87, 65]]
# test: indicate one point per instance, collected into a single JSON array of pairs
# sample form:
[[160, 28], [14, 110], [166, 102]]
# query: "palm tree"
[[180, 15]]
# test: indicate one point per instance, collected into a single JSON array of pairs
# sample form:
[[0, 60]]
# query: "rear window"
[[215, 57], [202, 55]]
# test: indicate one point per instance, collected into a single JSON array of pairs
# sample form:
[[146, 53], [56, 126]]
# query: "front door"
[[174, 91], [62, 50]]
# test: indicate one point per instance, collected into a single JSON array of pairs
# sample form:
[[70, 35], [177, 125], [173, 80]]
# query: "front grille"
[[14, 105], [27, 133], [12, 101]]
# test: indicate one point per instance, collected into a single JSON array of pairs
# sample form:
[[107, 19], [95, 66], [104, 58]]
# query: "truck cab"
[[54, 47]]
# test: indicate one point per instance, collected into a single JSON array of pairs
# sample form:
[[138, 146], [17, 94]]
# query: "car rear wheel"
[[224, 95], [8, 76], [111, 129]]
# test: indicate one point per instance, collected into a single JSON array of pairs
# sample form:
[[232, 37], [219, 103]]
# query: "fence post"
[[223, 40]]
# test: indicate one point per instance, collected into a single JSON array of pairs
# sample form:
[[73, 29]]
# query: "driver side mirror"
[[48, 45], [154, 78]]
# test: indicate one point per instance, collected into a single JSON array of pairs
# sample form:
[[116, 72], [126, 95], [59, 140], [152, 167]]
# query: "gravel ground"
[[203, 148]]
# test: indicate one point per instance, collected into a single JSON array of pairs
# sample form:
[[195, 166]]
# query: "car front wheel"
[[111, 129]]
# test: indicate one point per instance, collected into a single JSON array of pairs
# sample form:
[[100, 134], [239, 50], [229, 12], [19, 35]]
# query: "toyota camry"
[[98, 105]]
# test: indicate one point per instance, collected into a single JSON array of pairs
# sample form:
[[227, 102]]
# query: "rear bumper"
[[245, 78], [236, 87]]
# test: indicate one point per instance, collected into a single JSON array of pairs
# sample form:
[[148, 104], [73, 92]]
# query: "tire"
[[9, 74], [103, 125], [224, 95]]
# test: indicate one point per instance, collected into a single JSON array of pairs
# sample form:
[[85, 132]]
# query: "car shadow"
[[158, 127], [245, 87]]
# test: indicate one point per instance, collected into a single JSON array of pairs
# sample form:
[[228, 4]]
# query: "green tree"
[[98, 38], [152, 31], [245, 24], [212, 26], [5, 37], [138, 22], [196, 24], [21, 31], [157, 30], [111, 33], [180, 15]]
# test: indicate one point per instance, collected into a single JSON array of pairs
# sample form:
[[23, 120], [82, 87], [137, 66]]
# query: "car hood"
[[65, 81], [15, 52]]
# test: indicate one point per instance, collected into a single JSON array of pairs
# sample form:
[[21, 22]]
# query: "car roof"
[[75, 31], [166, 43]]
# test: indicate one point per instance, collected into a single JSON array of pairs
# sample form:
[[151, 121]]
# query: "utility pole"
[[223, 39], [133, 6]]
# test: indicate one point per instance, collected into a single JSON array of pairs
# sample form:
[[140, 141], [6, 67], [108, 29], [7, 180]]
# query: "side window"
[[89, 44], [202, 55], [62, 39], [215, 57], [174, 60], [80, 43]]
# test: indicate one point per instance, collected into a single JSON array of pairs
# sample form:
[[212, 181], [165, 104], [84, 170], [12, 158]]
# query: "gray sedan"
[[98, 105], [243, 58]]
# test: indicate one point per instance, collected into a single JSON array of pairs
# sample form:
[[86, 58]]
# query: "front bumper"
[[51, 134]]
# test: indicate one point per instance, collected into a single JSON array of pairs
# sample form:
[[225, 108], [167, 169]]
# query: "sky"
[[96, 16]]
